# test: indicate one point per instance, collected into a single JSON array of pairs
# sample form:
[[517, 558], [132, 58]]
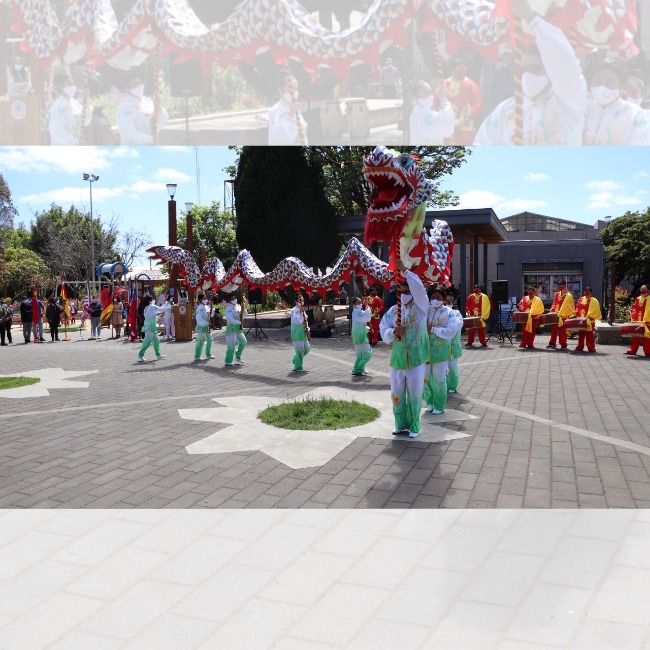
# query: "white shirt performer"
[[202, 329], [442, 327], [135, 116], [410, 352], [65, 114], [234, 333], [427, 126], [150, 330], [361, 316], [299, 334], [453, 378], [286, 123], [555, 94], [168, 317]]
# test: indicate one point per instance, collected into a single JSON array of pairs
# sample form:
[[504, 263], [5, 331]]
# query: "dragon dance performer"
[[588, 307], [478, 304], [168, 318], [376, 305], [150, 329], [535, 307], [299, 334], [641, 313], [565, 307], [202, 329], [234, 335], [361, 315], [453, 378], [442, 327], [410, 351]]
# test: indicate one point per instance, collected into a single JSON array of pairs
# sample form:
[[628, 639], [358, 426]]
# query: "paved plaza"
[[528, 429]]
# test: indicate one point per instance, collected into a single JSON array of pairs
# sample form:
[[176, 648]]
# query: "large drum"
[[357, 117], [330, 315], [520, 316], [576, 324], [549, 319], [631, 330], [331, 119], [471, 322], [318, 314]]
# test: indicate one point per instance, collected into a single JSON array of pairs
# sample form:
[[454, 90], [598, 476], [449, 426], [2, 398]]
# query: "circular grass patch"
[[17, 382], [318, 414]]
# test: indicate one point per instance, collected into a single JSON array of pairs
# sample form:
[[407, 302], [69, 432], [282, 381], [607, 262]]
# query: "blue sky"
[[578, 183]]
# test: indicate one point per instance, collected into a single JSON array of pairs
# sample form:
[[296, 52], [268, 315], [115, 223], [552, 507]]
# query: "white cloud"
[[519, 205], [609, 200], [537, 178], [148, 186], [641, 174], [175, 148], [642, 191], [603, 186], [167, 175], [478, 199], [627, 200], [76, 195]]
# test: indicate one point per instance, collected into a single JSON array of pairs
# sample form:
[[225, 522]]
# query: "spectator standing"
[[53, 314], [26, 318], [389, 78], [96, 310], [9, 314], [117, 316], [41, 313]]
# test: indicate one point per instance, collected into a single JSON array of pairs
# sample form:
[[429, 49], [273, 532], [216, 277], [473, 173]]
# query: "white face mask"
[[138, 91], [18, 66], [233, 302], [405, 298], [290, 97], [635, 100], [70, 91], [533, 84], [436, 303], [604, 95], [205, 302], [426, 102]]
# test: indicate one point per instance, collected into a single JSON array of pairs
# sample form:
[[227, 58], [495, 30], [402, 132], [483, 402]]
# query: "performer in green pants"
[[234, 335], [361, 315], [299, 334], [202, 329], [453, 378], [149, 329]]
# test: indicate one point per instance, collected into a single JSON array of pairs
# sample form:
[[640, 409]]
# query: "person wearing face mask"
[[442, 327], [376, 305], [361, 315], [535, 307], [168, 318], [588, 307], [610, 119], [478, 304], [19, 78], [149, 329], [641, 314], [202, 329], [409, 343], [565, 307], [554, 89], [633, 90], [287, 126], [453, 377], [66, 113], [135, 116], [299, 334], [234, 335], [426, 125], [465, 97]]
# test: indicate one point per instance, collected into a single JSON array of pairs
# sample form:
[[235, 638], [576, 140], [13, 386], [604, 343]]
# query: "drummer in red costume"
[[376, 305], [565, 307], [588, 307], [478, 304], [641, 314], [535, 307]]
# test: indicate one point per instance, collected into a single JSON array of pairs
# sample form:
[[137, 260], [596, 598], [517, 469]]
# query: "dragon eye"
[[405, 160]]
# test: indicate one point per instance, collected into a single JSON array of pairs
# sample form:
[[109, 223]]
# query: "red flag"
[[35, 312]]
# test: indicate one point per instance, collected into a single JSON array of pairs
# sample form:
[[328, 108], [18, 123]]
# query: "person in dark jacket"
[[53, 315], [26, 318], [95, 309]]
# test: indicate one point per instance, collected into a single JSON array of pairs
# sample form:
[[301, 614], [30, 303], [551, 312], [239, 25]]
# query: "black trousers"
[[54, 332]]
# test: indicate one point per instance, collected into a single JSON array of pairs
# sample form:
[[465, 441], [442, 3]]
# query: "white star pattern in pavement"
[[49, 378], [300, 448]]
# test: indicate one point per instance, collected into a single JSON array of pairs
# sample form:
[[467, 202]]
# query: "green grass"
[[318, 414], [16, 382]]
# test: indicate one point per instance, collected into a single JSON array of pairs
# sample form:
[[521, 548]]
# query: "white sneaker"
[[210, 357], [141, 359], [396, 432], [436, 411], [161, 356], [451, 391], [228, 364], [413, 434], [430, 409], [241, 361]]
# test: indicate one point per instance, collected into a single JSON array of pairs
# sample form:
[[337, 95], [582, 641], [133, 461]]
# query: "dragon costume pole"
[[437, 58], [83, 132], [157, 59], [518, 54]]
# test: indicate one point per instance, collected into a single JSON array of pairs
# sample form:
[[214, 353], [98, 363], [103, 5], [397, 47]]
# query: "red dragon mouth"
[[390, 192]]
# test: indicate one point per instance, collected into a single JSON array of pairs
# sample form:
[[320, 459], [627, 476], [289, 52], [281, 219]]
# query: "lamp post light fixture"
[[91, 178], [173, 235]]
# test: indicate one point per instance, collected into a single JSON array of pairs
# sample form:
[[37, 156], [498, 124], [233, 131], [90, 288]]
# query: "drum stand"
[[501, 332], [259, 332]]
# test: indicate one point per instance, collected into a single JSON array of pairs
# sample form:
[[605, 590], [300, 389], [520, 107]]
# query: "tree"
[[7, 208], [215, 228], [282, 209], [62, 239], [627, 241], [130, 244], [23, 266]]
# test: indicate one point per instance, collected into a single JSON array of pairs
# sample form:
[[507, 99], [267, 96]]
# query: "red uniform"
[[464, 95], [589, 308], [477, 305], [376, 305], [565, 308], [535, 306], [641, 314]]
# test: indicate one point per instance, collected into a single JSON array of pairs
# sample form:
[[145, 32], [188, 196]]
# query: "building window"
[[547, 284]]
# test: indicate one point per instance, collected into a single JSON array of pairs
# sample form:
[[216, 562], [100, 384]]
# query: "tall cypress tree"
[[282, 210]]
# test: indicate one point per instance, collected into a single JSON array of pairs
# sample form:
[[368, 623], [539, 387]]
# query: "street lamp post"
[[189, 227], [173, 235], [4, 268], [91, 178]]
